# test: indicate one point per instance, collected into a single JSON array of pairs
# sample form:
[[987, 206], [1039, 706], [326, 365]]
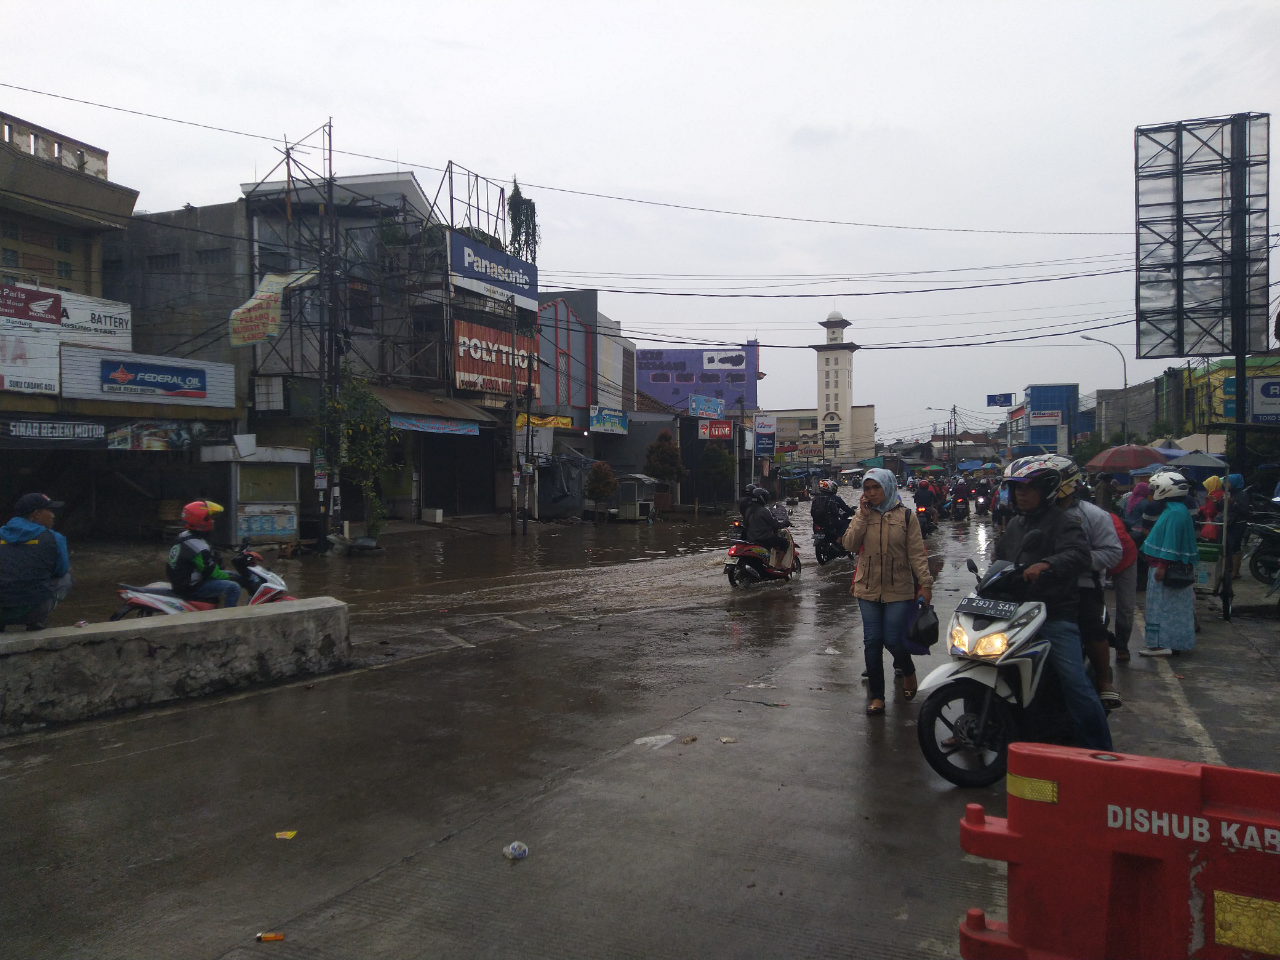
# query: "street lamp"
[[1125, 367]]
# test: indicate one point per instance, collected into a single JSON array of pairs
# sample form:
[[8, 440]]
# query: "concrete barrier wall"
[[71, 673]]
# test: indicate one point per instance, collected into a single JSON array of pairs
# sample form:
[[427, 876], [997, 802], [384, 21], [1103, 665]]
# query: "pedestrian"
[[1124, 578], [1238, 515], [1105, 492], [891, 564], [1171, 551], [35, 569]]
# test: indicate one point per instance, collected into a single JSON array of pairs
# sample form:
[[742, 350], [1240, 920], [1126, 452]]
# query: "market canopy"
[[1198, 459], [1125, 459]]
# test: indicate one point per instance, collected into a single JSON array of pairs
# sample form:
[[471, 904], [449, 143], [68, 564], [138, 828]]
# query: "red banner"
[[20, 303], [715, 429], [482, 359]]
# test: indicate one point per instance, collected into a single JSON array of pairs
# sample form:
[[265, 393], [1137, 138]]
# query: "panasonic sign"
[[492, 273]]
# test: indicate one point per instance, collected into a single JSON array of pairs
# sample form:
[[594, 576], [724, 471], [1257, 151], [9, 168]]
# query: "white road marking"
[[1186, 716], [455, 640]]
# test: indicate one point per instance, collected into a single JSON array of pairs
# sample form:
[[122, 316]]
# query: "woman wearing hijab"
[[892, 561], [1170, 610]]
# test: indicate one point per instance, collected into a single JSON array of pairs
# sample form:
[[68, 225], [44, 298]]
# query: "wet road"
[[501, 691]]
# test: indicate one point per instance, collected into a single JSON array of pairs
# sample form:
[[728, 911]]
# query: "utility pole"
[[515, 403], [528, 426]]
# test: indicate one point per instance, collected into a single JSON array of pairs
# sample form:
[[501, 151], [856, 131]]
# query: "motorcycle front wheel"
[[951, 742], [1264, 567]]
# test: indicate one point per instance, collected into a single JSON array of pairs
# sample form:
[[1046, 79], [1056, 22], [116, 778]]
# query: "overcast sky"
[[988, 116]]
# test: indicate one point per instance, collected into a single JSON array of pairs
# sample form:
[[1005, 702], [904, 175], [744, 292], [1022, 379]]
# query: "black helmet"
[[759, 494]]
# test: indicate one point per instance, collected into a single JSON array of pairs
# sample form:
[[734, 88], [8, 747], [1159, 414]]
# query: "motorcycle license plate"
[[995, 609]]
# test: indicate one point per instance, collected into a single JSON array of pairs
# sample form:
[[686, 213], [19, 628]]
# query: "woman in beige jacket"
[[892, 561]]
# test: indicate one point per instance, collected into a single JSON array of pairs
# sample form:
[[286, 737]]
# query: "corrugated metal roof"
[[429, 405]]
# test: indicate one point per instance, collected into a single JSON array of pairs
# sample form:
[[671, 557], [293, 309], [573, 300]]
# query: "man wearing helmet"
[[762, 525], [1053, 562], [1105, 552], [192, 566], [829, 509]]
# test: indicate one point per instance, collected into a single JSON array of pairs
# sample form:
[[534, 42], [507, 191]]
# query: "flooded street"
[[690, 766]]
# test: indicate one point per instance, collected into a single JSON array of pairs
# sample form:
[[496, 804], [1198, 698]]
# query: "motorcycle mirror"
[[972, 567]]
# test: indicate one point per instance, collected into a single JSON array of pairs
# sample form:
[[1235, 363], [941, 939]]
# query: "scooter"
[[982, 506], [959, 507], [827, 544], [999, 686], [158, 597], [1264, 559], [751, 563], [927, 526]]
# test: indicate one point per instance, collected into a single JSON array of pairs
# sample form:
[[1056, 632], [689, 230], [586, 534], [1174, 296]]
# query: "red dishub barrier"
[[1117, 856]]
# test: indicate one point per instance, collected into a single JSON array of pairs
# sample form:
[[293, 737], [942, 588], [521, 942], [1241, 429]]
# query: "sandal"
[[873, 710], [1110, 700], [909, 694]]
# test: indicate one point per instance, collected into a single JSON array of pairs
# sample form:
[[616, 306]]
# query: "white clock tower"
[[835, 390]]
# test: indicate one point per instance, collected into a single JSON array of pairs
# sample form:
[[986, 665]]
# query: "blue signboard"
[[491, 273], [424, 424], [606, 420], [726, 373], [766, 444], [709, 407], [154, 379], [999, 399]]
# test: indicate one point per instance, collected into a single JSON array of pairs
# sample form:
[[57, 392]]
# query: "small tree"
[[522, 215], [601, 484], [662, 459], [716, 468], [356, 433]]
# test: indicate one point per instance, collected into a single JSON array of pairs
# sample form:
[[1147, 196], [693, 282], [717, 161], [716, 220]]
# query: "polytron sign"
[[151, 379]]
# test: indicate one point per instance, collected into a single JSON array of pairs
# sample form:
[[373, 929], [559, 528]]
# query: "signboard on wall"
[[425, 424], [715, 429], [491, 273], [1264, 400], [29, 357], [110, 433], [273, 521], [117, 376], [258, 318], [151, 379], [672, 376], [30, 304], [606, 420], [483, 360], [563, 423], [1046, 418], [700, 406], [999, 399], [34, 323]]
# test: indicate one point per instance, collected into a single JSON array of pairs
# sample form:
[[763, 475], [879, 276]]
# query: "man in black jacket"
[[763, 526], [1054, 563]]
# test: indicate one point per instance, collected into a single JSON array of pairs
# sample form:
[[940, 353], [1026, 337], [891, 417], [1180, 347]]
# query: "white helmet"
[[1169, 485], [1069, 471]]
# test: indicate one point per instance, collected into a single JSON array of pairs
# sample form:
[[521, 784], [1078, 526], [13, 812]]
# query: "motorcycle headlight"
[[959, 640], [992, 645]]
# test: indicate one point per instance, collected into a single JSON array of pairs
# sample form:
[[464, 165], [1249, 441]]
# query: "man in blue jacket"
[[35, 571]]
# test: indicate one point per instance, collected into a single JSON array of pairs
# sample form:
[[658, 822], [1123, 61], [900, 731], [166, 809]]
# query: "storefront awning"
[[429, 413]]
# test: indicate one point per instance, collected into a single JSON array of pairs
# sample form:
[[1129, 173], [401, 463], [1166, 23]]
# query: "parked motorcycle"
[[750, 563], [826, 541], [1264, 561], [262, 585], [999, 686], [959, 507]]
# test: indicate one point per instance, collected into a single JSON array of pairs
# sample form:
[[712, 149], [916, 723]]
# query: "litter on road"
[[266, 937], [286, 834], [728, 739], [656, 743], [688, 740], [515, 850]]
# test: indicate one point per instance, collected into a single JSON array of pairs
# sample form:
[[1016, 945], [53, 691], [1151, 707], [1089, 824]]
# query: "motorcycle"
[[826, 541], [262, 585], [959, 507], [1264, 560], [751, 563], [982, 506], [927, 526], [999, 686]]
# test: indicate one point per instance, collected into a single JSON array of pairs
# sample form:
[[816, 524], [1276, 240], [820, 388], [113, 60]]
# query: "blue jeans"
[[884, 625], [228, 591], [1066, 654]]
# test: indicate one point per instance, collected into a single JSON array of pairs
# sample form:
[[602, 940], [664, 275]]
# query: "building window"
[[208, 258], [828, 399], [268, 393], [8, 133], [836, 401], [827, 361], [39, 239], [659, 378], [684, 378], [64, 244], [828, 407], [735, 378], [10, 230], [65, 290], [9, 258], [7, 278], [57, 150], [64, 270], [163, 261]]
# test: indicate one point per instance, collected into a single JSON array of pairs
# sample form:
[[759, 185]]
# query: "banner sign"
[[700, 406], [29, 358], [491, 273], [110, 433], [483, 361], [1046, 418], [1264, 400], [258, 318], [563, 423], [151, 379], [424, 424], [809, 450], [999, 399], [272, 521], [606, 420], [31, 304], [715, 429], [766, 436]]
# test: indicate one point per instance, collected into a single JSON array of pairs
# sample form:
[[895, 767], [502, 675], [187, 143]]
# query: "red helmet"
[[198, 515]]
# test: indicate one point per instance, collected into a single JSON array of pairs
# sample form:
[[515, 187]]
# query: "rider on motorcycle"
[[762, 525], [192, 566], [1054, 564], [829, 509]]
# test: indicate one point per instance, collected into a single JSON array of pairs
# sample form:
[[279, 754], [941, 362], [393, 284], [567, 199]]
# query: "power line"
[[595, 195]]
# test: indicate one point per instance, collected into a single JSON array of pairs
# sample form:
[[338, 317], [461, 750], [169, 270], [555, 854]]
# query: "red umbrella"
[[1125, 458]]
